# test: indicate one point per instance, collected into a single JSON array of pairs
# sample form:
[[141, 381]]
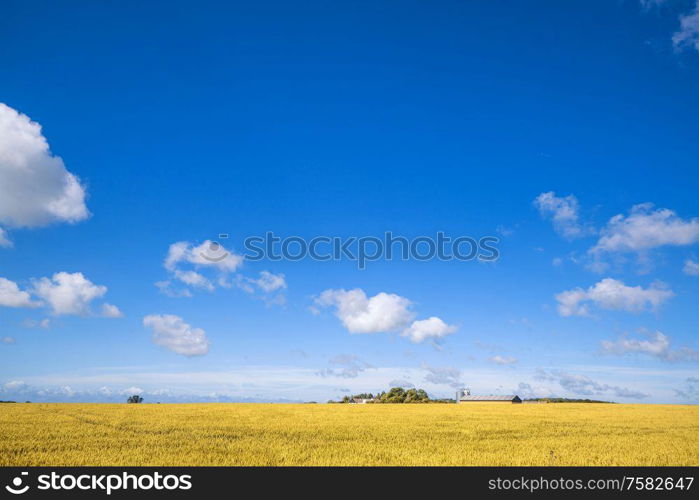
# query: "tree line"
[[396, 395]]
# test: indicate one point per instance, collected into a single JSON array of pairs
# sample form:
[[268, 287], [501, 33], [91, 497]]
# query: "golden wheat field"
[[286, 434]]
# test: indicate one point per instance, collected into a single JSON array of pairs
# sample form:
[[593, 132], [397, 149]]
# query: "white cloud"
[[612, 294], [194, 279], [268, 282], [656, 345], [564, 213], [345, 366], [447, 375], [525, 390], [244, 283], [66, 390], [30, 323], [173, 333], [130, 391], [582, 385], [12, 296], [504, 230], [208, 254], [35, 187], [431, 328], [166, 288], [7, 340], [177, 252], [15, 385], [111, 311], [691, 267], [569, 303], [271, 285], [644, 229], [405, 384], [214, 254], [384, 312], [500, 360], [68, 293], [266, 383], [688, 34], [4, 240]]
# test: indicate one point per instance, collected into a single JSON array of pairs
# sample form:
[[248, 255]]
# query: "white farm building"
[[465, 396]]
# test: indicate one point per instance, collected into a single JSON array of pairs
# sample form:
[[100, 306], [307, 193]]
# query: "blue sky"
[[535, 122]]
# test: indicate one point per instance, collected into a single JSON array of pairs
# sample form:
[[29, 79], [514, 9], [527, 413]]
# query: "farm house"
[[465, 396]]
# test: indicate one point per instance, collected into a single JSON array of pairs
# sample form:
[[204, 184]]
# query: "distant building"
[[360, 401], [465, 396]]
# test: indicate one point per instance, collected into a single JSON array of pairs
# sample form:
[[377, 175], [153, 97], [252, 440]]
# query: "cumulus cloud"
[[69, 293], [185, 261], [656, 345], [612, 294], [177, 252], [691, 267], [447, 375], [687, 37], [432, 328], [12, 296], [585, 386], [345, 366], [384, 312], [7, 340], [268, 282], [644, 229], [503, 360], [563, 212], [270, 285], [111, 311], [173, 333], [193, 279], [212, 253], [35, 187], [208, 254]]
